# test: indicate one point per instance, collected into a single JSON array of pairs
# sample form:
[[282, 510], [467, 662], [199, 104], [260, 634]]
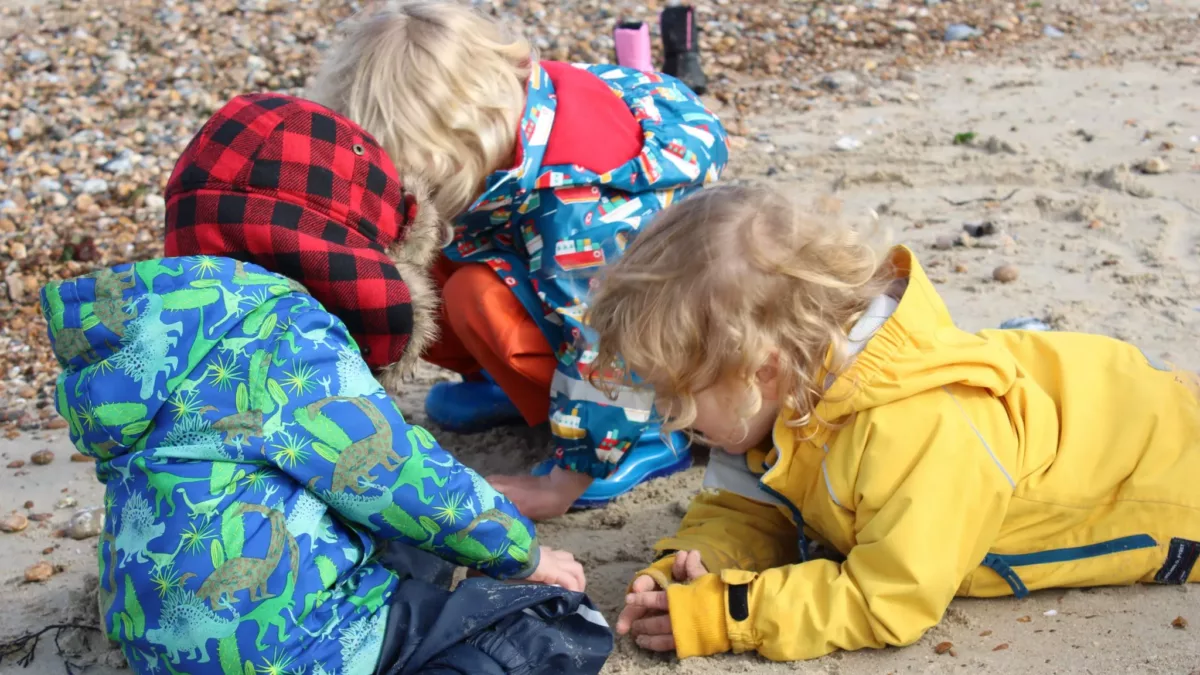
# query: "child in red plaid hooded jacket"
[[545, 171], [268, 507]]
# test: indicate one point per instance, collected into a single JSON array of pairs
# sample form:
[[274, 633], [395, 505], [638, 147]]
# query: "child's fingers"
[[657, 643], [659, 624], [628, 616], [652, 600], [695, 568], [644, 584], [679, 569]]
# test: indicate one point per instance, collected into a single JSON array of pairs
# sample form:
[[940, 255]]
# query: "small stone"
[[84, 203], [15, 134], [18, 251], [86, 523], [80, 458], [847, 144], [943, 647], [1006, 274], [155, 202], [94, 186], [34, 56], [1025, 619], [16, 464], [997, 146], [985, 229], [16, 287], [904, 26], [1052, 32], [1000, 647], [48, 550], [841, 81], [14, 522], [28, 504], [42, 457], [59, 200], [959, 32], [41, 517], [1179, 623], [123, 164], [961, 268], [945, 242], [1002, 25], [39, 572], [57, 423], [1154, 165], [66, 503], [119, 59]]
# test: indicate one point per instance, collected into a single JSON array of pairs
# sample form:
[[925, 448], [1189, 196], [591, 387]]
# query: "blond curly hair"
[[441, 88], [726, 281]]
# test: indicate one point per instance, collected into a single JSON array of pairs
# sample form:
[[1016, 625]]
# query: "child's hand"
[[646, 612], [559, 568]]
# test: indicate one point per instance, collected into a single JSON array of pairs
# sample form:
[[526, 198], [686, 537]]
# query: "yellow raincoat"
[[975, 465]]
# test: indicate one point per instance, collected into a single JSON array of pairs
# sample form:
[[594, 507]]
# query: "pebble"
[[13, 522], [1052, 32], [84, 203], [35, 56], [94, 186], [841, 81], [121, 165], [984, 229], [42, 457], [16, 464], [15, 134], [1154, 165], [904, 26], [80, 458], [86, 523], [39, 572], [27, 505], [66, 503], [945, 242], [997, 146], [1006, 274], [155, 202], [959, 32], [847, 144], [16, 287]]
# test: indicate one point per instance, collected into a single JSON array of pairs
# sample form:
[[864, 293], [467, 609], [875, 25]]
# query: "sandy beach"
[[1076, 160]]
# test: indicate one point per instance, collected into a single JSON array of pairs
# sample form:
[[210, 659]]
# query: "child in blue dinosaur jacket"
[[257, 475], [546, 171]]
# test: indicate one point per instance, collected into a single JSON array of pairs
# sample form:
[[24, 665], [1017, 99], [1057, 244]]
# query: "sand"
[[1098, 248]]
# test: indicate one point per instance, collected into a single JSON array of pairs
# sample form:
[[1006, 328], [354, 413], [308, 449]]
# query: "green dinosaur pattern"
[[252, 467]]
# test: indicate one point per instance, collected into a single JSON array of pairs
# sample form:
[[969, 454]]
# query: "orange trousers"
[[484, 327]]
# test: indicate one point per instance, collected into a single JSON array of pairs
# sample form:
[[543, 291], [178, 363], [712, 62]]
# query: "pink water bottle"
[[632, 41]]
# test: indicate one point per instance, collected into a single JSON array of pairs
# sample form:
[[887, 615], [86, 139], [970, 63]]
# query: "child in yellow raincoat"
[[850, 409]]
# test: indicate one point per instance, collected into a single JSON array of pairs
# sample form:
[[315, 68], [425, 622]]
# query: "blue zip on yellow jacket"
[[252, 465], [548, 230]]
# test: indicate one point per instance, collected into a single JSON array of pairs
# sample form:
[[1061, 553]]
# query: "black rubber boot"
[[681, 49]]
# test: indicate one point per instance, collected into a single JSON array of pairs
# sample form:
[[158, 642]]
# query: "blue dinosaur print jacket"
[[549, 231], [252, 466]]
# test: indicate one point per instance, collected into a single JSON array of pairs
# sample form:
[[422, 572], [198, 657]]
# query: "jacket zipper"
[[1003, 564]]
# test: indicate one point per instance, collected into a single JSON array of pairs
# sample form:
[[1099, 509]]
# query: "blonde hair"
[[727, 281], [440, 87]]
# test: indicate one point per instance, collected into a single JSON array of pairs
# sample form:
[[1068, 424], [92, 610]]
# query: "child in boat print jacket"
[[257, 475]]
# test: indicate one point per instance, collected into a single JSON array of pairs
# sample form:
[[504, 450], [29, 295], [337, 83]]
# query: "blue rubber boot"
[[470, 407], [651, 458]]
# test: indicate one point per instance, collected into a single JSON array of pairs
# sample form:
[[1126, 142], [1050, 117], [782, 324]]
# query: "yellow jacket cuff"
[[698, 617]]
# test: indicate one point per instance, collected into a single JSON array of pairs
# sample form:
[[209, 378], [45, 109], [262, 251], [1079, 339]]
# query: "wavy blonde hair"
[[440, 87], [728, 280]]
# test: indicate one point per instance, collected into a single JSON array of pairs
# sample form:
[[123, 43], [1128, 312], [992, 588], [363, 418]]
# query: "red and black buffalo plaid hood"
[[300, 190]]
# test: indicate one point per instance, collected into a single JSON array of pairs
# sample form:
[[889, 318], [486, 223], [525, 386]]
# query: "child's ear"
[[767, 378]]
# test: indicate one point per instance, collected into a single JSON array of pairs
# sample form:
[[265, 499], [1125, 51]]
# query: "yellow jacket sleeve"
[[928, 506]]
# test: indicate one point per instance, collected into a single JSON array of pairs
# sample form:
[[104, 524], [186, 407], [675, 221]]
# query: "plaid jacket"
[[306, 193]]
